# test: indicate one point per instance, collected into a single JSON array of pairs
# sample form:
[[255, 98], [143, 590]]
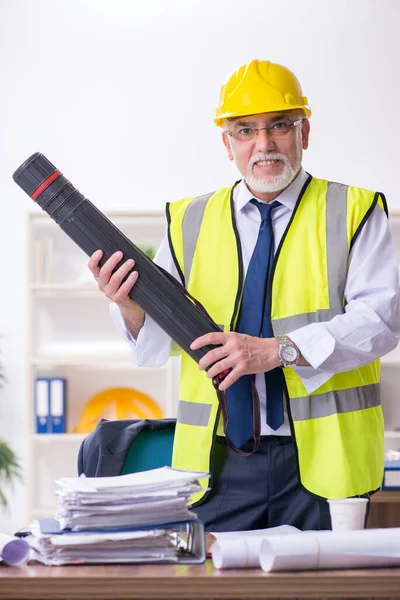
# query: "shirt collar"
[[288, 197]]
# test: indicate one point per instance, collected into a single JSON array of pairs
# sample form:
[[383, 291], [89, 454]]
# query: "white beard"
[[274, 184]]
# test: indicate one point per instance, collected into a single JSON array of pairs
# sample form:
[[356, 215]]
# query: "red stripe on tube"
[[45, 184]]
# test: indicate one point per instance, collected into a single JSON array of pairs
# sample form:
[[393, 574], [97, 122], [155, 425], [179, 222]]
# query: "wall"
[[121, 96]]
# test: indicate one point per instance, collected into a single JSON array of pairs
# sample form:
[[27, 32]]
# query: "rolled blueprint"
[[13, 550], [156, 292], [240, 549], [331, 550]]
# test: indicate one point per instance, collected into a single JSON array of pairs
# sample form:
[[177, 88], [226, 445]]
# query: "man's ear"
[[305, 131], [227, 144]]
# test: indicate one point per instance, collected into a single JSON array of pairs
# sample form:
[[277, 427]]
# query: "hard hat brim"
[[277, 108]]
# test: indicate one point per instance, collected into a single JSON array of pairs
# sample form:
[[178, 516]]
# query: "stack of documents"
[[157, 545], [133, 500], [129, 518]]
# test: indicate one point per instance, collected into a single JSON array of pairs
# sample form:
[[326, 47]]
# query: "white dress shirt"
[[368, 329]]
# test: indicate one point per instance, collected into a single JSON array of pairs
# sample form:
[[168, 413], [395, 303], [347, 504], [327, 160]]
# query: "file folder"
[[190, 544], [42, 405], [57, 405], [391, 477]]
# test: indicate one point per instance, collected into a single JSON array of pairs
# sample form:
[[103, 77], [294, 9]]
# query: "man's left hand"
[[240, 353]]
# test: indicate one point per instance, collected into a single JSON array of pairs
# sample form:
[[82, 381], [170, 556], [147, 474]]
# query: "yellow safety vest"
[[338, 428]]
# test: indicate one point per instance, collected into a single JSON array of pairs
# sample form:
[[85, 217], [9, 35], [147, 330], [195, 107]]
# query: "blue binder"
[[42, 405], [192, 544], [57, 404], [391, 478]]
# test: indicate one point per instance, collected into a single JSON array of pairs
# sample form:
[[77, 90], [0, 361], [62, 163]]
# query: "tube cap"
[[33, 172]]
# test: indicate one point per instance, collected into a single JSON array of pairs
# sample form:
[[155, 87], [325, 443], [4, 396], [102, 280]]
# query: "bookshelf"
[[71, 335]]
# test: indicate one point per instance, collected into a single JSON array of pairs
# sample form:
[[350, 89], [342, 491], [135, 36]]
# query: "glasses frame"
[[256, 130]]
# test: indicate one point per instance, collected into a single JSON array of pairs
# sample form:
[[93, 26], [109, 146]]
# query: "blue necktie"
[[255, 320]]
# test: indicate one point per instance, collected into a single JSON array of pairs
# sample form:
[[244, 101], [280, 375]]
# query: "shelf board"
[[65, 287], [390, 360], [392, 435], [85, 361], [115, 214], [59, 437]]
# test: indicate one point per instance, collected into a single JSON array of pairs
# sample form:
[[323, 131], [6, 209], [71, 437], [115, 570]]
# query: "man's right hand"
[[111, 285]]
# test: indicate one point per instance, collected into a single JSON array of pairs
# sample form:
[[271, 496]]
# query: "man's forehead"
[[270, 116]]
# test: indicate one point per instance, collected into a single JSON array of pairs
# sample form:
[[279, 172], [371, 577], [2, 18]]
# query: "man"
[[301, 275]]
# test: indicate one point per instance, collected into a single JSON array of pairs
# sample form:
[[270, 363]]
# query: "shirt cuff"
[[120, 324], [316, 344]]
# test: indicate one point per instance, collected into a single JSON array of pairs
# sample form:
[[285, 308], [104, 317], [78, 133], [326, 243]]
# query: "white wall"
[[120, 95]]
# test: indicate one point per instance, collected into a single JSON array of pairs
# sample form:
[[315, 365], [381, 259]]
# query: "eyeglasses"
[[274, 130]]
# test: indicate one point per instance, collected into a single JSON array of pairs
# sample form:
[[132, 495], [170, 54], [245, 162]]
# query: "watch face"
[[289, 354]]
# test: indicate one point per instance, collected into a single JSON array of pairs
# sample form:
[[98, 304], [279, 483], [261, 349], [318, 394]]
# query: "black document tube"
[[155, 291]]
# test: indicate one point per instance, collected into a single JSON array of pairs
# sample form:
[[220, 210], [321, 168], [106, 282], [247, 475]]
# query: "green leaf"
[[10, 469]]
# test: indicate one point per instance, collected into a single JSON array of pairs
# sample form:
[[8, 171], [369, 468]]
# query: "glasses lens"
[[281, 128], [245, 133], [278, 129]]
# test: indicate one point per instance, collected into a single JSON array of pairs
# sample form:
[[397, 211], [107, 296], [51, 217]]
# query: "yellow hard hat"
[[260, 87], [117, 403]]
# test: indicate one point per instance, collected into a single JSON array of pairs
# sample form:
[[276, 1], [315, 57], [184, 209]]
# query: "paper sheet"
[[106, 509], [151, 480], [14, 551], [147, 498]]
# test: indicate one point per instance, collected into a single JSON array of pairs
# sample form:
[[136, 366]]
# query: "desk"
[[194, 582]]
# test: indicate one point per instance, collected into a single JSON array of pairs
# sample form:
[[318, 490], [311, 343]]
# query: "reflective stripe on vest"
[[191, 224], [193, 413], [335, 401]]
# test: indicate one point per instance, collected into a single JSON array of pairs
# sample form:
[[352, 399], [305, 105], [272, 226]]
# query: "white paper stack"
[[153, 545], [125, 519], [147, 498]]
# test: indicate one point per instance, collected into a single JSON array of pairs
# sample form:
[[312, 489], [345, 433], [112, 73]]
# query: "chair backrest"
[[126, 446], [149, 450]]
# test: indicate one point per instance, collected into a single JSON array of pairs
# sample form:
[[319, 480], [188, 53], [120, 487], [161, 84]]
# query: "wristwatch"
[[288, 352]]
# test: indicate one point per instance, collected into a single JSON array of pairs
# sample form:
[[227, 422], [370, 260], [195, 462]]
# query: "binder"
[[57, 405], [42, 405], [190, 544], [391, 477]]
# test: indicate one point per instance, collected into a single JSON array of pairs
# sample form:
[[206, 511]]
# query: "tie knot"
[[265, 209]]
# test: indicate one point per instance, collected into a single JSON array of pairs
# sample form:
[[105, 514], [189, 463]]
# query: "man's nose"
[[264, 141]]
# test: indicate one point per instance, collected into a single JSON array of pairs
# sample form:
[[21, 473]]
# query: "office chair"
[[126, 446], [150, 450]]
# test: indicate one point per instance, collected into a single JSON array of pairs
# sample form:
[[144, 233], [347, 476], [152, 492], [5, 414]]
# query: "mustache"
[[270, 156]]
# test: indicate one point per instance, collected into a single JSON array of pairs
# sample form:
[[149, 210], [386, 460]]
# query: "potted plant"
[[10, 469]]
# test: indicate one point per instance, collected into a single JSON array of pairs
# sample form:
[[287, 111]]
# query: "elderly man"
[[301, 275]]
